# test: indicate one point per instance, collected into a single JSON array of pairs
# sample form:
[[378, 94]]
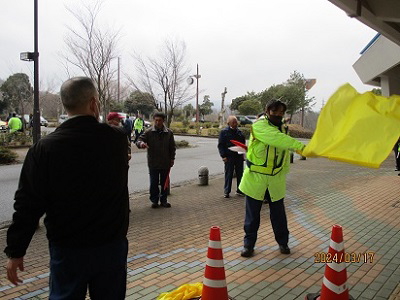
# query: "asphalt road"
[[188, 160]]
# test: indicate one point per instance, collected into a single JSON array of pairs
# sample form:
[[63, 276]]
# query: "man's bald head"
[[232, 122], [77, 93]]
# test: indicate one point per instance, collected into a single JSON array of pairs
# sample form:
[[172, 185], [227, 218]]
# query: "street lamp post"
[[309, 83], [190, 81], [29, 56], [197, 76]]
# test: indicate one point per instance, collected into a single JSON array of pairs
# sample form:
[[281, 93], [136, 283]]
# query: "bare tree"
[[92, 50], [167, 75]]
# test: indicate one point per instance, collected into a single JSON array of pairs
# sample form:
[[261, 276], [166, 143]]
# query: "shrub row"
[[295, 131], [7, 156], [15, 138], [179, 130], [182, 144]]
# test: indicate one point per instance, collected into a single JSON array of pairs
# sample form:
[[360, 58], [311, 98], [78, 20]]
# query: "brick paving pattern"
[[167, 247]]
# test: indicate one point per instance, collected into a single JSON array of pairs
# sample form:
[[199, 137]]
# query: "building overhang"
[[382, 58], [381, 15]]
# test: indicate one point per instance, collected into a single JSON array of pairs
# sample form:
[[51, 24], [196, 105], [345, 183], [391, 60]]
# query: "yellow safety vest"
[[271, 166], [268, 161]]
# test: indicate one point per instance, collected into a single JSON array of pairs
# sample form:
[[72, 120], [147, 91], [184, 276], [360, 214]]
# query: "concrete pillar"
[[390, 85]]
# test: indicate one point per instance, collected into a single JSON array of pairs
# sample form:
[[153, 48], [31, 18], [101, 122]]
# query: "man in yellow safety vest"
[[265, 176], [15, 123], [138, 126]]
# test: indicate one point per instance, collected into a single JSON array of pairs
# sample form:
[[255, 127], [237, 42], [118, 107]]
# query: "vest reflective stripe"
[[271, 165]]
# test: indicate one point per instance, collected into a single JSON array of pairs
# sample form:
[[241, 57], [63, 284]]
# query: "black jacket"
[[161, 149], [224, 143], [78, 177]]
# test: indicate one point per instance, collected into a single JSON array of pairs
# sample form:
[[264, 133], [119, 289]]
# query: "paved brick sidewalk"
[[168, 246]]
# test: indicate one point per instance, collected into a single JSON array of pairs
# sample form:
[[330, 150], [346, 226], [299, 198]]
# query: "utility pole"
[[36, 112], [118, 91], [34, 56]]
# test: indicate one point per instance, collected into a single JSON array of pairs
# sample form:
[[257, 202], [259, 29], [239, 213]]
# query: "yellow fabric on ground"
[[356, 128], [184, 292]]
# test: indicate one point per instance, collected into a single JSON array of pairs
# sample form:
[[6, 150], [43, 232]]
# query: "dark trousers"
[[137, 134], [100, 269], [233, 164], [397, 156], [157, 179], [252, 221]]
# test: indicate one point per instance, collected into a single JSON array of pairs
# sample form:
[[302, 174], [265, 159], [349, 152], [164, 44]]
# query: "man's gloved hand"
[[300, 152]]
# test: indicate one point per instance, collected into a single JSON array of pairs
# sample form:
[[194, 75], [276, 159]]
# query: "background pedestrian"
[[160, 144], [233, 161]]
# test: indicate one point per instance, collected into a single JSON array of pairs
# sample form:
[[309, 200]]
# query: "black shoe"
[[154, 205], [166, 204], [247, 252], [226, 195], [239, 193], [284, 249]]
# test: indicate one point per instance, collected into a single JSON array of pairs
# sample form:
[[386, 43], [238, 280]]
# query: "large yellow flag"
[[356, 128]]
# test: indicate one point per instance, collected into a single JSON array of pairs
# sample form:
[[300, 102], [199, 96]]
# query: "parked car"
[[3, 126], [200, 120], [147, 124], [43, 121], [252, 118], [243, 120], [62, 119]]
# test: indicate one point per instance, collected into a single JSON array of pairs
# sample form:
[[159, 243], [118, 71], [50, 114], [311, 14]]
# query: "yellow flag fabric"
[[356, 128], [184, 292]]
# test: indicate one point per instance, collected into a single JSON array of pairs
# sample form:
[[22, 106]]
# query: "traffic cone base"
[[312, 296], [334, 284], [317, 296], [214, 282]]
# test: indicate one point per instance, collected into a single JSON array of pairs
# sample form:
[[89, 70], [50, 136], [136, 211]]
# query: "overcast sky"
[[242, 45]]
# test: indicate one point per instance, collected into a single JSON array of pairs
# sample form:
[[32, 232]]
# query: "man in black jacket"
[[160, 144], [233, 160], [78, 177]]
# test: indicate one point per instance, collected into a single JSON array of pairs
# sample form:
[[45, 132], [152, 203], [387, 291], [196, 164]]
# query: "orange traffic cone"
[[214, 282], [334, 285]]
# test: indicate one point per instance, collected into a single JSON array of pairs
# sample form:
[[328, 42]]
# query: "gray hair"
[[76, 92], [230, 118]]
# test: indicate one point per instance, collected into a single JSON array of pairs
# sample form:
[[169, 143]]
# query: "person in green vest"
[[268, 157], [138, 126], [15, 123]]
